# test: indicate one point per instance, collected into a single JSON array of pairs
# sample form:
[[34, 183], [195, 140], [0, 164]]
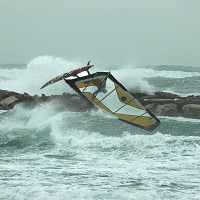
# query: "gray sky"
[[110, 32]]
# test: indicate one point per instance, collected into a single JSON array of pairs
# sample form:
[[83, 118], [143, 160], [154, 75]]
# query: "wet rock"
[[79, 103], [167, 95], [4, 107], [138, 95], [9, 102], [152, 107], [191, 111], [160, 103], [76, 98], [67, 95], [26, 94], [44, 97], [166, 110], [151, 97], [4, 93]]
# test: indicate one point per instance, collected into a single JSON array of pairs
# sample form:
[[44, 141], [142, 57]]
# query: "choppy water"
[[46, 154]]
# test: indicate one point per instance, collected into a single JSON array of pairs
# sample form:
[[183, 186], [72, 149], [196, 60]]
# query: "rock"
[[167, 95], [9, 101], [1, 98], [78, 103], [26, 94], [150, 97], [191, 111], [167, 110], [138, 95], [152, 107], [44, 97], [4, 93], [65, 94], [4, 107]]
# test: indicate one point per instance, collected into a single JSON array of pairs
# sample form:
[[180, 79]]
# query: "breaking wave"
[[41, 69]]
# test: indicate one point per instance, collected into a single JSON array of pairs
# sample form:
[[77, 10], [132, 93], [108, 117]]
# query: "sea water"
[[49, 154]]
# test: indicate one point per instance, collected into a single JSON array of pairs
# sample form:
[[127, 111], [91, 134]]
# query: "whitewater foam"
[[37, 72], [153, 73], [43, 68], [180, 119]]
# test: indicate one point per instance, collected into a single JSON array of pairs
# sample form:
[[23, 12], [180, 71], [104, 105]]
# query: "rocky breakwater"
[[66, 101], [161, 103], [168, 104]]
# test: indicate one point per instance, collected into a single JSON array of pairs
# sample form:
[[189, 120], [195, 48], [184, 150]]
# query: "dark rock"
[[37, 99], [138, 95], [9, 101], [167, 110], [193, 100], [152, 107], [4, 107], [36, 96], [158, 101], [167, 95], [79, 103], [44, 97], [150, 96], [26, 94], [4, 93], [191, 111], [65, 94]]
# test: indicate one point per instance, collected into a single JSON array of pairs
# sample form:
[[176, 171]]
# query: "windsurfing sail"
[[106, 93], [68, 74]]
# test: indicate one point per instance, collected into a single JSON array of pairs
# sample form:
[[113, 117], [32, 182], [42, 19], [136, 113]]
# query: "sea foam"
[[43, 68]]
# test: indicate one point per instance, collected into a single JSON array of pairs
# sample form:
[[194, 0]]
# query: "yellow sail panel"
[[96, 102], [139, 120], [97, 81], [125, 98]]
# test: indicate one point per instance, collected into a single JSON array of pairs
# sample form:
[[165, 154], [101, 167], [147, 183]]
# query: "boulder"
[[152, 107], [191, 111], [4, 93], [78, 103], [4, 107], [66, 95], [9, 101], [26, 94], [166, 110]]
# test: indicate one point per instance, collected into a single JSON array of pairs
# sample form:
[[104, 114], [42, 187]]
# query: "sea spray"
[[43, 68], [37, 72]]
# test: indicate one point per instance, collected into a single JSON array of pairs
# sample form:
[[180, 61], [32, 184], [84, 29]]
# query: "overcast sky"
[[112, 32]]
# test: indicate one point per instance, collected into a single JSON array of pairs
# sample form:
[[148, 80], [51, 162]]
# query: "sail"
[[106, 93], [56, 79], [68, 74]]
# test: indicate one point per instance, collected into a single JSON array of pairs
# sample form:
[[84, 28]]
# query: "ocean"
[[49, 154]]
